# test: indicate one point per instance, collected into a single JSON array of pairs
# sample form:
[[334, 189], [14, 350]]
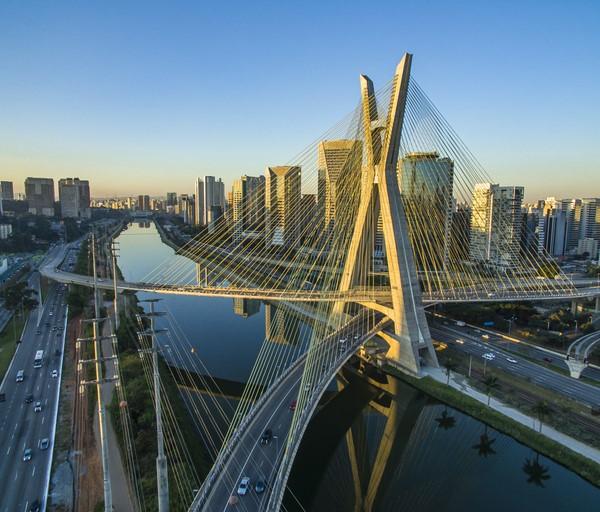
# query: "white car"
[[511, 360], [460, 342], [488, 355], [54, 374], [244, 486]]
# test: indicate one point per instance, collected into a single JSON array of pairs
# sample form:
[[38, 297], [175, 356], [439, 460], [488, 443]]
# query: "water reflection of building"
[[246, 307], [281, 325]]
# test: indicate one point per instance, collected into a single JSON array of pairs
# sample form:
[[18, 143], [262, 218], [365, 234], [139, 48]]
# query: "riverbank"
[[508, 421]]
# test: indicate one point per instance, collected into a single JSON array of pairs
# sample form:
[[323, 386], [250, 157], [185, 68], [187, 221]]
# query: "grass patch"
[[7, 342], [579, 464]]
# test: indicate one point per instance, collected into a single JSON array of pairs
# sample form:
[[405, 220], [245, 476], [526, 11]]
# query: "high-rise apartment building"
[[590, 219], [186, 208], [171, 198], [199, 202], [40, 196], [214, 199], [426, 183], [572, 209], [143, 203], [339, 164], [282, 205], [247, 207], [74, 197], [496, 225], [6, 190]]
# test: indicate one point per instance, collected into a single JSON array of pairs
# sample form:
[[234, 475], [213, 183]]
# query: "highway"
[[507, 343], [248, 457], [23, 483], [475, 345]]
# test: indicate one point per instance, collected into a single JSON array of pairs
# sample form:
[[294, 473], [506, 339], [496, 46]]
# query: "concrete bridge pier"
[[574, 306], [575, 367]]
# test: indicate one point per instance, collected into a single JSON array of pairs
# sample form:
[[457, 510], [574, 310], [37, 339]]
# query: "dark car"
[[28, 399], [266, 437], [293, 404], [260, 487], [2, 397], [35, 506], [547, 359]]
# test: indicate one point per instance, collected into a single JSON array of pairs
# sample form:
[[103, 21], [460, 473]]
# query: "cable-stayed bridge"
[[389, 214]]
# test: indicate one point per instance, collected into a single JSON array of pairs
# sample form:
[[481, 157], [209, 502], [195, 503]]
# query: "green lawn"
[[7, 343]]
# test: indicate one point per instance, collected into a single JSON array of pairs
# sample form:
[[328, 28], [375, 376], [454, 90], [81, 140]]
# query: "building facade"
[[339, 161], [282, 205], [6, 190], [247, 207], [426, 183], [74, 198], [40, 196], [496, 225]]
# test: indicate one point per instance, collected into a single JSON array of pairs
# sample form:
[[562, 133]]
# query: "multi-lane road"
[[24, 483], [470, 341]]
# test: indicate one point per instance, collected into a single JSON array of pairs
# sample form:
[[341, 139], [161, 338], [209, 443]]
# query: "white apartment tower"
[[496, 225]]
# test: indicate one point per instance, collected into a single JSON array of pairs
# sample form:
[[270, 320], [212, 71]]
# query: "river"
[[386, 446]]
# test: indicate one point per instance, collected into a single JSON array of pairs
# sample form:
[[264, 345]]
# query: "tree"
[[490, 383], [19, 296], [541, 409], [536, 473], [450, 366]]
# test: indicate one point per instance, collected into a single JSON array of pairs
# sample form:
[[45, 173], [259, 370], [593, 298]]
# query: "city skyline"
[[504, 100]]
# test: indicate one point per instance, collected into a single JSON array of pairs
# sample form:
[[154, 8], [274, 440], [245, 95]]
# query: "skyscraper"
[[199, 202], [590, 219], [572, 209], [496, 225], [40, 196], [171, 198], [282, 205], [186, 208], [74, 197], [426, 183], [143, 203], [247, 207], [214, 199], [339, 161], [6, 190]]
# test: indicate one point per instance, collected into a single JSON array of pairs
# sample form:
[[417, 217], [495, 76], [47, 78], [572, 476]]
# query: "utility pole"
[[108, 507], [114, 250], [162, 479]]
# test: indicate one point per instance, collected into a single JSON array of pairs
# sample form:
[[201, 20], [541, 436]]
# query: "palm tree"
[[541, 409], [450, 366], [446, 421], [490, 383], [536, 473]]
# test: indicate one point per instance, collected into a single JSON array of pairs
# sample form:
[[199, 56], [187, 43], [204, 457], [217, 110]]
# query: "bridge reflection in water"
[[378, 444]]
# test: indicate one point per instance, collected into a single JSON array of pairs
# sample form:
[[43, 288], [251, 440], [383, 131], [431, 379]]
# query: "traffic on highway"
[[477, 343], [28, 412]]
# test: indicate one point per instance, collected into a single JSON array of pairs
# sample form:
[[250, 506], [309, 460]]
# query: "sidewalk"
[[459, 383]]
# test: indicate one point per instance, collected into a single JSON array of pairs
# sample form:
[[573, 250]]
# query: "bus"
[[37, 362]]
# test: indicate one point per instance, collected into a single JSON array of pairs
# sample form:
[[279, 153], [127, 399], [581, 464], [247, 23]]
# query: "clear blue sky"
[[141, 97]]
